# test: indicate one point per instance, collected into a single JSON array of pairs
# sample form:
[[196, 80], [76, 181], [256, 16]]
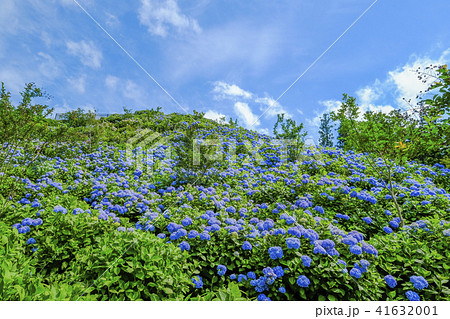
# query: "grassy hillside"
[[132, 218]]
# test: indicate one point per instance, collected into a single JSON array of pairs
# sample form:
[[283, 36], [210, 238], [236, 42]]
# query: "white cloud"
[[263, 131], [368, 94], [216, 116], [87, 52], [111, 20], [225, 90], [48, 66], [246, 115], [78, 83], [134, 92], [271, 108], [111, 82], [160, 15], [399, 83], [239, 47], [9, 16], [403, 82]]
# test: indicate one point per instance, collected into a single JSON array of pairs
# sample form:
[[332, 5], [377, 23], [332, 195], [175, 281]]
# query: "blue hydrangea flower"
[[246, 246], [192, 234], [367, 220], [231, 210], [197, 281], [279, 271], [161, 235], [419, 282], [233, 276], [303, 281], [394, 224], [282, 290], [328, 244], [349, 240], [263, 297], [306, 261], [251, 275], [186, 222], [446, 232], [184, 246], [205, 236], [387, 229], [242, 277], [319, 209], [355, 249], [390, 280], [59, 209], [37, 222], [355, 273], [412, 296], [221, 270], [293, 243], [275, 252], [364, 263], [319, 250], [31, 241]]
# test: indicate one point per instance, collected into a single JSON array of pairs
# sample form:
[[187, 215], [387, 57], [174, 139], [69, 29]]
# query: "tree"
[[291, 135], [233, 123], [376, 134], [430, 141], [325, 131], [341, 137], [25, 134]]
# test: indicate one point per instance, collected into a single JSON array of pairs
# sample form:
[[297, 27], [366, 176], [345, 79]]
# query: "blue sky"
[[232, 58]]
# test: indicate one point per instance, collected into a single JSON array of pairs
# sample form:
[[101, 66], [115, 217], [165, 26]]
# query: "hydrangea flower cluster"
[[275, 252], [221, 270], [419, 282], [390, 281]]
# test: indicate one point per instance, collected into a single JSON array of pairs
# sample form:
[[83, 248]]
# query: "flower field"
[[95, 225]]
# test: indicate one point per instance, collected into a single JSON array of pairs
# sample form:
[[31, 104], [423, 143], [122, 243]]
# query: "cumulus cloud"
[[111, 20], [215, 116], [241, 98], [78, 83], [271, 108], [48, 66], [405, 80], [111, 82], [87, 52], [401, 83], [126, 88], [225, 90], [134, 92], [245, 114], [161, 15]]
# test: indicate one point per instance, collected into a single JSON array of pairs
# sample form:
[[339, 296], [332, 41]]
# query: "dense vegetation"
[[149, 206]]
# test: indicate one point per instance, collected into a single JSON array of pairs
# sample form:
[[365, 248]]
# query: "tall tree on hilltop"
[[341, 137], [325, 131]]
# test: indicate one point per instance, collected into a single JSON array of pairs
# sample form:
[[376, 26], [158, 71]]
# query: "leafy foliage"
[[291, 135]]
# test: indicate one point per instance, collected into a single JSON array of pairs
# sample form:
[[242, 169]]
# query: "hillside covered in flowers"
[[125, 220]]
